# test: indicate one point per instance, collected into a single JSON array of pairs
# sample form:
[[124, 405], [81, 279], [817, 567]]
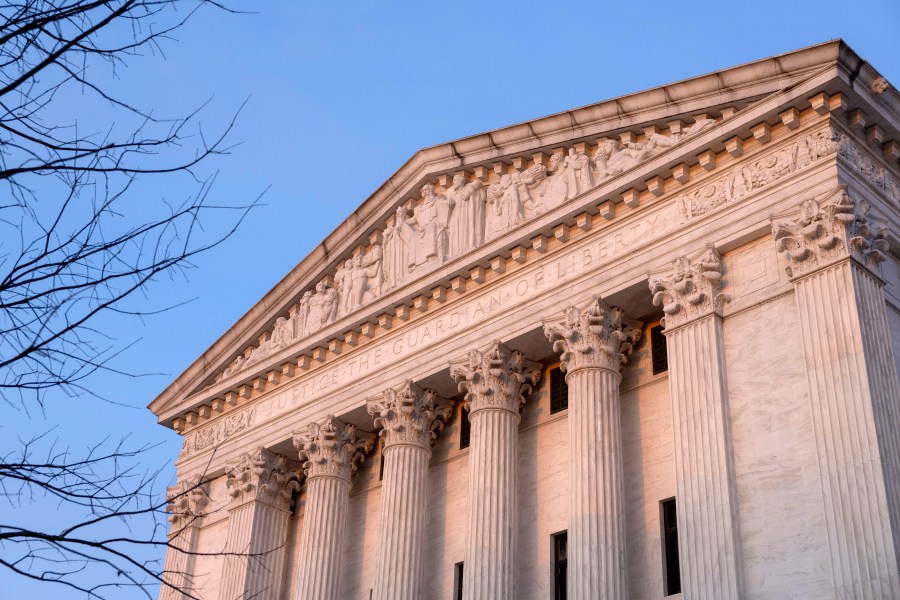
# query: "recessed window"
[[465, 428], [458, 581], [560, 560], [559, 391], [381, 464], [658, 350], [670, 547]]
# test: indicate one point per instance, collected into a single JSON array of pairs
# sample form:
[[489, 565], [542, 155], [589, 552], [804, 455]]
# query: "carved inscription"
[[550, 274]]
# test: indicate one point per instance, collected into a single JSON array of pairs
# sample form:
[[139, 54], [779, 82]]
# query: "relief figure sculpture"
[[506, 208], [394, 265], [578, 173], [425, 233], [323, 307], [467, 218]]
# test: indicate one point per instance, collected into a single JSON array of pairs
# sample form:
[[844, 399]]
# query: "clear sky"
[[341, 94]]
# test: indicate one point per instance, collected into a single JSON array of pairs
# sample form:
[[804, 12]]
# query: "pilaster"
[[709, 540], [186, 503], [595, 343], [410, 418], [331, 451], [261, 485], [834, 250], [496, 383]]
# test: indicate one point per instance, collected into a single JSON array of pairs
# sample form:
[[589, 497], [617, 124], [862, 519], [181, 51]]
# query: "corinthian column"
[[704, 463], [186, 502], [410, 418], [495, 383], [331, 450], [834, 252], [595, 344], [261, 486]]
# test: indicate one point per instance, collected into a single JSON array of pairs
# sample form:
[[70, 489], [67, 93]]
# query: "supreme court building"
[[645, 348]]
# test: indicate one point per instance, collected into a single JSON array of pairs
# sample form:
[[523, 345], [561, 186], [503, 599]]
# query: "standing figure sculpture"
[[394, 265], [425, 233], [578, 173], [323, 307], [467, 216]]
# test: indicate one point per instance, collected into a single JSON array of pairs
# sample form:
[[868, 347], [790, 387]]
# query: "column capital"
[[332, 448], [599, 336], [185, 502], [409, 415], [693, 289], [826, 229], [499, 378], [261, 476]]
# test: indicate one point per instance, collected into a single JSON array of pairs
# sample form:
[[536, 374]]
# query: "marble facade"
[[753, 214]]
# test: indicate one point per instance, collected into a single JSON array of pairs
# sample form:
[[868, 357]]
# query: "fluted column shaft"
[[596, 534], [330, 450], [261, 485], [853, 396], [491, 518], [400, 553], [255, 552], [410, 418], [321, 543], [595, 343], [178, 569], [704, 464], [496, 383]]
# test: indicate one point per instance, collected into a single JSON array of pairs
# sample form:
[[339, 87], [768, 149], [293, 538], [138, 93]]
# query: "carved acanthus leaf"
[[599, 336], [185, 502], [262, 476], [827, 229], [331, 447], [499, 378], [409, 415], [692, 291]]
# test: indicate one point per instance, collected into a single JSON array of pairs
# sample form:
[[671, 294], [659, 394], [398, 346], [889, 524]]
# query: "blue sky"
[[341, 94]]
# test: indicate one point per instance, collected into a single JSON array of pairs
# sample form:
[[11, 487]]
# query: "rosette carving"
[[599, 336], [331, 447], [499, 378], [185, 502], [409, 415], [828, 229], [693, 290], [262, 476]]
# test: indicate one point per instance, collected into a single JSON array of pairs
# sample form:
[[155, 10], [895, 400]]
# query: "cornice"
[[625, 194]]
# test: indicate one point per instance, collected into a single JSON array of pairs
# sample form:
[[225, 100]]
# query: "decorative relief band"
[[740, 181], [333, 448], [828, 229], [262, 476], [692, 291], [499, 378], [462, 216], [409, 415], [217, 432], [600, 336]]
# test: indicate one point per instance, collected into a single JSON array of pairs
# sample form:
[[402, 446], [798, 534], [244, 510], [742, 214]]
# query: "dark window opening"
[[559, 391], [465, 428], [381, 464], [560, 541], [458, 581], [658, 350], [670, 547]]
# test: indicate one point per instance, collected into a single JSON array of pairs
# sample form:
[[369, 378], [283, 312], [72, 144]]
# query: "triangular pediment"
[[458, 207]]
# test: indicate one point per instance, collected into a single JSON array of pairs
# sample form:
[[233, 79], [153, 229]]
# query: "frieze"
[[741, 180], [217, 432], [448, 222]]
